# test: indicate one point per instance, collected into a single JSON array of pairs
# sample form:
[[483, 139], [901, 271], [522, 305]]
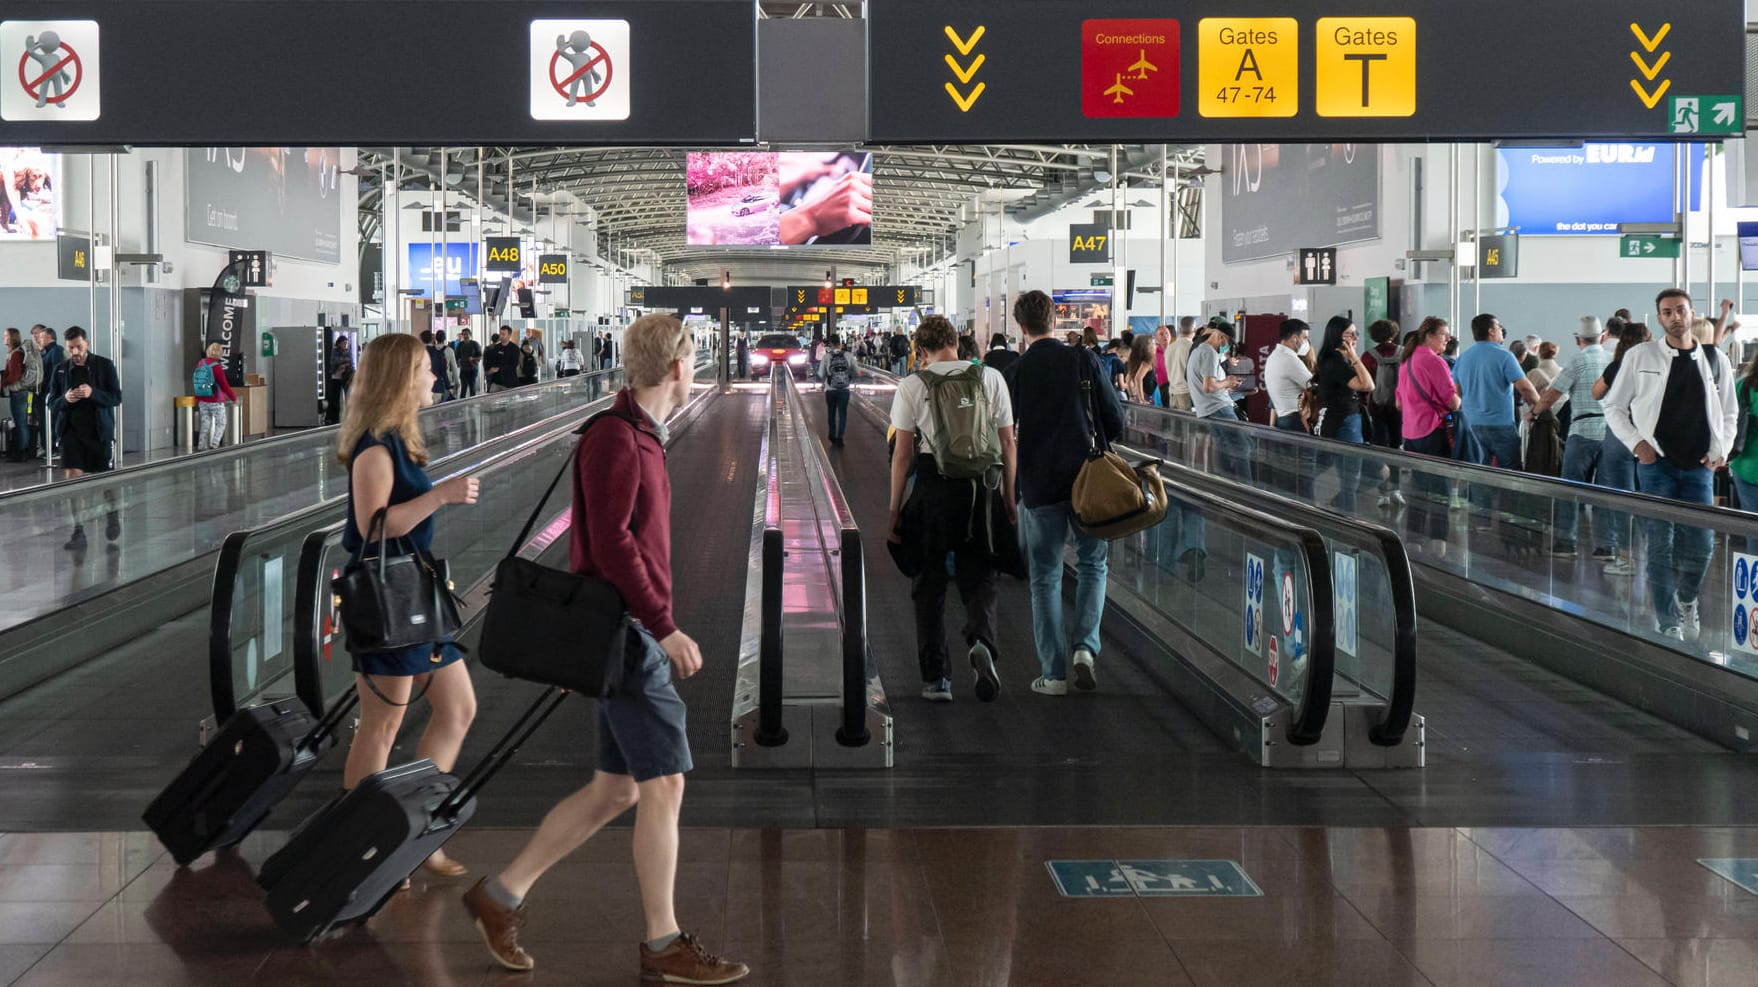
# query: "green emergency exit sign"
[[1658, 247], [1100, 281]]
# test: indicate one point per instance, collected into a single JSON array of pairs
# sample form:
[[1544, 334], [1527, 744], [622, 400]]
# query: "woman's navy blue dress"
[[410, 481]]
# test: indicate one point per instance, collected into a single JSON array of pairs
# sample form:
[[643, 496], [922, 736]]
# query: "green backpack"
[[965, 444]]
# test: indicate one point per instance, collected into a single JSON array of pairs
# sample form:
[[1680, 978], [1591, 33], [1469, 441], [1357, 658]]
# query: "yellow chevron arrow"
[[964, 105], [1648, 73], [964, 47], [965, 77], [1647, 100], [1646, 43]]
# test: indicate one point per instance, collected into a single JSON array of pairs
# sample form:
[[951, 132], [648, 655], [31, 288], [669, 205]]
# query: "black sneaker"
[[1604, 554], [77, 540], [1563, 550], [988, 684]]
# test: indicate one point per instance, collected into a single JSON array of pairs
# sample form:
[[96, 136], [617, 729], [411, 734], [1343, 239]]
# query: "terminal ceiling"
[[922, 195]]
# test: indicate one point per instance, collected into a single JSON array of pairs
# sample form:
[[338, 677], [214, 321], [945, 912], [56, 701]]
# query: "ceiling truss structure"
[[922, 194]]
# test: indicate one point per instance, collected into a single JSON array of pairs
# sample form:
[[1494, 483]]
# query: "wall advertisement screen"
[[1277, 198], [30, 194], [788, 198], [286, 200], [1589, 190], [427, 261]]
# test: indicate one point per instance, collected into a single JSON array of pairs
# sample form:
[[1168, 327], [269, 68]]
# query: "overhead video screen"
[[788, 198], [30, 194], [1589, 190]]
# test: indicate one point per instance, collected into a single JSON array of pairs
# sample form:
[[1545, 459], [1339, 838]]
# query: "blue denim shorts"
[[641, 728]]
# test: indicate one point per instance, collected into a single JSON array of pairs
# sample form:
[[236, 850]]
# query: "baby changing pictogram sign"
[[580, 70], [48, 71]]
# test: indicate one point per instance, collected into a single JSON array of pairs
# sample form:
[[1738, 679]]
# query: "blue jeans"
[[21, 420], [1233, 447], [1292, 465], [1347, 465], [1617, 471], [1502, 444], [836, 403], [1678, 554], [1043, 531], [1581, 463]]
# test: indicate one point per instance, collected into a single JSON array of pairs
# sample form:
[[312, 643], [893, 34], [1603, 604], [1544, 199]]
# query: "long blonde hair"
[[383, 397]]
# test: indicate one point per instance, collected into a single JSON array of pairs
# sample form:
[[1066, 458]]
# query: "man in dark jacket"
[[502, 362], [52, 355], [83, 396], [469, 360], [1052, 408]]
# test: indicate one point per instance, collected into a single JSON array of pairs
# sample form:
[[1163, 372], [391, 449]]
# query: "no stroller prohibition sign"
[[33, 87], [562, 86]]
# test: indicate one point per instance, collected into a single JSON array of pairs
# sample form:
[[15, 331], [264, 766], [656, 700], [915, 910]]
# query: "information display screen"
[[1589, 190], [1748, 246], [788, 198]]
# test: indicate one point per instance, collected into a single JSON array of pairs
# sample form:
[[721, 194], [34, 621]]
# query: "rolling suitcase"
[[343, 863], [241, 775]]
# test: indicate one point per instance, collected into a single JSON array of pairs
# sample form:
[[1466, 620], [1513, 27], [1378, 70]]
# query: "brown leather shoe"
[[686, 962], [499, 927]]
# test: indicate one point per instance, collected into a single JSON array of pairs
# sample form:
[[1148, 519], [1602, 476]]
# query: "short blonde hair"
[[1704, 330], [216, 350], [651, 345]]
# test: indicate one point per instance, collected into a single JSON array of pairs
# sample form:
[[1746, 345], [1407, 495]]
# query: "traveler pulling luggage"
[[343, 863], [241, 775]]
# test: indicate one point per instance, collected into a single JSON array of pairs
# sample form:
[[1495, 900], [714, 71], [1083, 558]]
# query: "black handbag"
[[552, 626], [390, 602]]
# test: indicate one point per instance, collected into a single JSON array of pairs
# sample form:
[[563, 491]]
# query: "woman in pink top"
[[1426, 396], [212, 391], [1162, 339]]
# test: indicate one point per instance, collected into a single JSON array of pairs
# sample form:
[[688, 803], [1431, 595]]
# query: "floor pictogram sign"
[[1129, 68], [50, 71], [580, 70]]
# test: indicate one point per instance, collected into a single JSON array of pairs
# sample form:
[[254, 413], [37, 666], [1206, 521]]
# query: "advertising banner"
[[1589, 190], [30, 194], [228, 320], [436, 271], [285, 200], [1277, 198]]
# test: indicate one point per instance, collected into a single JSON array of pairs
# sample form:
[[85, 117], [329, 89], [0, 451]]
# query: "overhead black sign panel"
[[353, 72], [1391, 70]]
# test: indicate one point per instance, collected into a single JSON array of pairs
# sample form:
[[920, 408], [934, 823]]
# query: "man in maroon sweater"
[[622, 532]]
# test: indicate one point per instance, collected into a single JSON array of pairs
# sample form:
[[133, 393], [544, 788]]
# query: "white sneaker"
[[1673, 632], [938, 692], [1398, 497], [988, 684], [1083, 670], [1385, 501], [1689, 619], [1050, 687], [1619, 567]]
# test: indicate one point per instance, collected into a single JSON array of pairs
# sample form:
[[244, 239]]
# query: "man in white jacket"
[[1673, 404]]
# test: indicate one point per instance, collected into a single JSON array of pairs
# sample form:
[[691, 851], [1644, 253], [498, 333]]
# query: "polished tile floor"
[[964, 907]]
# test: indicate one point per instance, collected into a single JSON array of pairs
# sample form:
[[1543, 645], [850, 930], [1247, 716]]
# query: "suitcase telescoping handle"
[[502, 752], [331, 721]]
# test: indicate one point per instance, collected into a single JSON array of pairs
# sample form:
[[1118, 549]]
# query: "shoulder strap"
[[537, 511]]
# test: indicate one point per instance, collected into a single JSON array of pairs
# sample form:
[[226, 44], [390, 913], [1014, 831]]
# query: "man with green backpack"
[[954, 428]]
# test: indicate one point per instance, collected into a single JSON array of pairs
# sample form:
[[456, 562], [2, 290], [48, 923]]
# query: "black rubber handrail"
[[1308, 724], [770, 669], [850, 588], [1401, 702], [231, 556]]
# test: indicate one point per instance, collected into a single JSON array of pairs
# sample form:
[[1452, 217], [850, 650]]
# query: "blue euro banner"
[[1589, 190], [459, 262]]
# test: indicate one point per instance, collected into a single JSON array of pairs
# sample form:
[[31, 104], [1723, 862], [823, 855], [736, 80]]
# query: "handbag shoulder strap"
[[1416, 381], [1096, 441], [537, 511]]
